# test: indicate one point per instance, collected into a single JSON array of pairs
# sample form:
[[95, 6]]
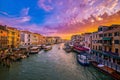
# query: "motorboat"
[[34, 50], [43, 46], [40, 47], [67, 49], [47, 48], [78, 49], [83, 59]]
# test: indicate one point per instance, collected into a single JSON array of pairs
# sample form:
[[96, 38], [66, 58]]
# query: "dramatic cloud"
[[25, 11], [64, 17], [82, 9], [12, 20], [45, 4]]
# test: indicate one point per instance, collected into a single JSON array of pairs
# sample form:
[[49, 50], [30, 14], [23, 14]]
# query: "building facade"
[[41, 39], [3, 37], [25, 37], [86, 40], [34, 39], [50, 40], [29, 38], [13, 37], [77, 39], [107, 39], [57, 40]]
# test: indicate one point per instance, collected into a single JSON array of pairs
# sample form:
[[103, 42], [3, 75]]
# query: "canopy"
[[106, 38], [81, 48]]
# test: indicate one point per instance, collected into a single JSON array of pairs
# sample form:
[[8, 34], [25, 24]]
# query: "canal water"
[[52, 65]]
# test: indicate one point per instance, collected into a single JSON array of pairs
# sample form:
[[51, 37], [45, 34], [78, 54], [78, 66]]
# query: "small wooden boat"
[[106, 70], [68, 50]]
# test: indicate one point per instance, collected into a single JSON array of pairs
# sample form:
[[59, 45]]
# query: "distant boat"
[[34, 50], [68, 50], [43, 46], [47, 48], [83, 59], [78, 49], [40, 47]]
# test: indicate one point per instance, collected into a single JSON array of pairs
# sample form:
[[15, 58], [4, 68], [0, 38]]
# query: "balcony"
[[111, 53], [107, 41], [107, 44], [107, 53]]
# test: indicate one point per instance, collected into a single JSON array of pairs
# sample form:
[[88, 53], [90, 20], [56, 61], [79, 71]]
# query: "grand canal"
[[52, 65]]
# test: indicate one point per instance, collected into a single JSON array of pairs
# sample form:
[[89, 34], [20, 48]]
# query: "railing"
[[106, 63]]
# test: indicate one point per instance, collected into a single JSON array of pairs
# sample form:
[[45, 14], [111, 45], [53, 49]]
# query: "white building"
[[86, 40], [77, 39], [25, 37]]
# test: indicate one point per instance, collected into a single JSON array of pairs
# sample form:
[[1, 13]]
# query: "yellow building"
[[37, 39], [41, 39], [34, 39], [3, 37], [13, 37]]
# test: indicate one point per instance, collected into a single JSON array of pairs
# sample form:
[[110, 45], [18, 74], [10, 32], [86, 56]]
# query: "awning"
[[81, 48], [106, 38]]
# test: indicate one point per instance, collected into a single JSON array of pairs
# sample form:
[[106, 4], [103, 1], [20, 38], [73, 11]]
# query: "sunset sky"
[[59, 17]]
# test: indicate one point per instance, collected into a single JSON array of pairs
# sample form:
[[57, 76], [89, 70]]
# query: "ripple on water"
[[52, 65]]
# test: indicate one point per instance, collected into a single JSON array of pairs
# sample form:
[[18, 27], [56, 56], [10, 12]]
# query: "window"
[[100, 35], [110, 34], [29, 40], [13, 33], [105, 35], [96, 35], [110, 49], [116, 34], [99, 29], [116, 41], [99, 47], [29, 35], [100, 41], [96, 47], [116, 50], [93, 47], [1, 31]]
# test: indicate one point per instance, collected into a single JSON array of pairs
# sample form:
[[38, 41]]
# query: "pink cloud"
[[42, 4], [25, 11], [12, 20]]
